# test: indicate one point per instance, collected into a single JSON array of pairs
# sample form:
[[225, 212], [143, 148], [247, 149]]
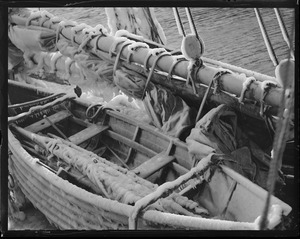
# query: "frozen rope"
[[265, 86], [116, 42], [246, 86], [133, 47], [152, 52], [217, 75], [126, 43], [45, 16], [193, 68], [281, 136], [166, 189], [74, 30], [61, 25], [90, 33]]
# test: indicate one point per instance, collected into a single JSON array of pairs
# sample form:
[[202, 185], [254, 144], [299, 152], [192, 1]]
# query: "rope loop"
[[266, 87], [159, 55], [126, 43], [246, 86], [174, 64]]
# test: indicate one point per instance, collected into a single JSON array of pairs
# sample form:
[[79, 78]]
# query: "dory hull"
[[224, 193]]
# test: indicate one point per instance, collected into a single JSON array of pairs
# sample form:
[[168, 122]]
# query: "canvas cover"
[[218, 131]]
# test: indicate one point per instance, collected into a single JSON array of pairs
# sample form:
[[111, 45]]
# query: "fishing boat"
[[90, 167], [112, 169]]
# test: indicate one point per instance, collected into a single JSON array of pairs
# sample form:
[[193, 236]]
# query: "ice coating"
[[115, 182], [139, 21]]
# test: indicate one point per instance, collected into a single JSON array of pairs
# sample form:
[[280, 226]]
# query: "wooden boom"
[[101, 46]]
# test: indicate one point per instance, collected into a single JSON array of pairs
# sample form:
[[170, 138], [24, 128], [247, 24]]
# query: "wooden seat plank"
[[87, 133], [43, 124], [153, 164]]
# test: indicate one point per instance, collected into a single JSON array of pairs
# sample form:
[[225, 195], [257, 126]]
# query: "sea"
[[230, 35]]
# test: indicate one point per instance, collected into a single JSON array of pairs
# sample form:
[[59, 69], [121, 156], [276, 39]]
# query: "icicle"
[[54, 59]]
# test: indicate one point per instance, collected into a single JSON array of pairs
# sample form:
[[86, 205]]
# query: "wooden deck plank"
[[87, 133], [43, 124]]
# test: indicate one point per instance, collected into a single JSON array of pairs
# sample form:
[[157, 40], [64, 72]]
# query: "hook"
[[126, 43], [216, 76], [152, 69], [95, 48], [175, 62], [114, 45], [149, 54]]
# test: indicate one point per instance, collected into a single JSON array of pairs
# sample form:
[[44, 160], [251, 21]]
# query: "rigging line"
[[266, 37], [191, 22], [283, 30], [279, 143], [178, 22]]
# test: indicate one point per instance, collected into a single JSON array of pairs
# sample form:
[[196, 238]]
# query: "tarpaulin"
[[218, 132], [168, 112]]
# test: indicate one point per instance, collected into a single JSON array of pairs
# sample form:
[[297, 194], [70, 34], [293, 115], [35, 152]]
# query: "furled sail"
[[139, 21]]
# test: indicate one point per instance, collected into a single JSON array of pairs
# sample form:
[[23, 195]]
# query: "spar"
[[107, 47], [208, 155]]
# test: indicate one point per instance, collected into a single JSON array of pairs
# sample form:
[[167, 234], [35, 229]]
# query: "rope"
[[280, 138], [178, 22], [191, 22], [125, 43], [284, 31], [152, 70], [217, 75], [175, 62], [266, 37]]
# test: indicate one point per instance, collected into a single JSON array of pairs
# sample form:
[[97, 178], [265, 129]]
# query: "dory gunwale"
[[206, 223]]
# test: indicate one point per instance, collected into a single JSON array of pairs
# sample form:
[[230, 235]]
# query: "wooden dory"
[[113, 172]]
